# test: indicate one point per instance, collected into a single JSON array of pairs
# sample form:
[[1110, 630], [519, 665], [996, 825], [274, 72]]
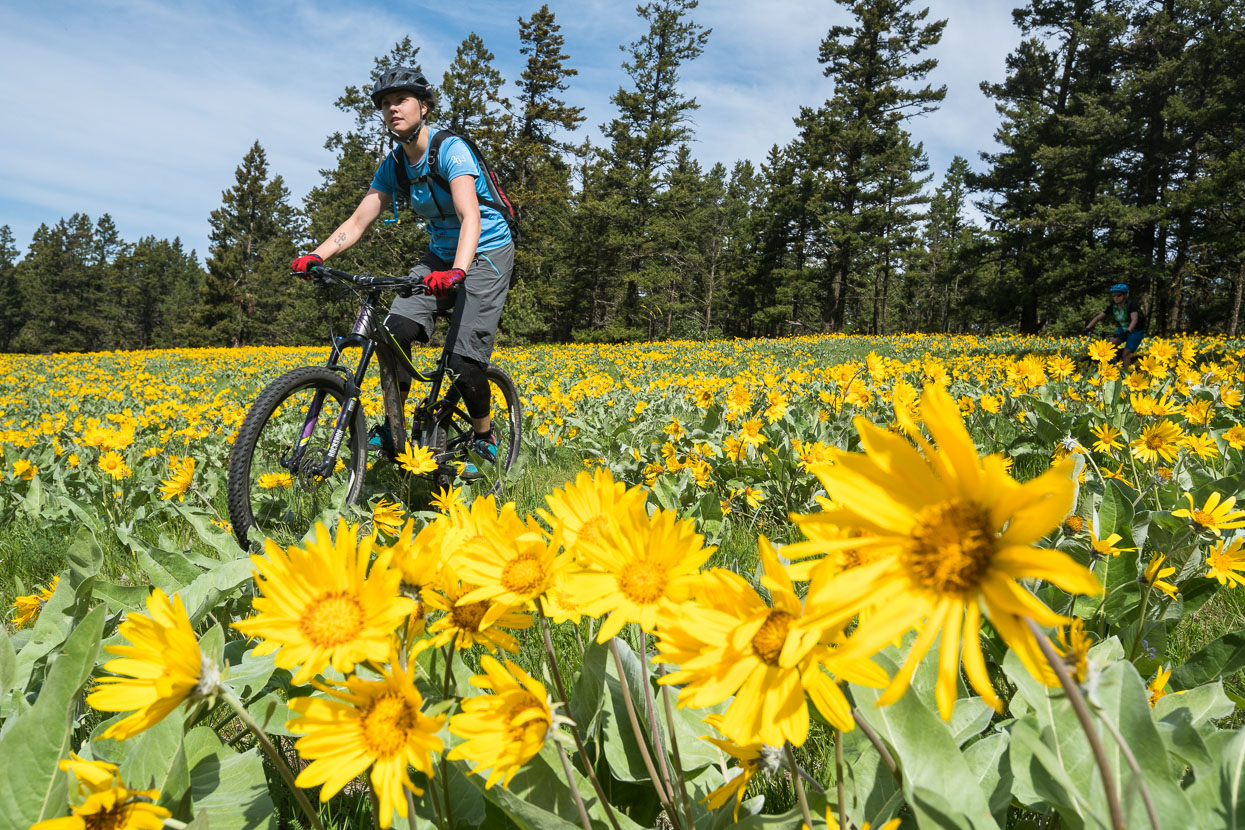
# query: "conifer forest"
[[1118, 156]]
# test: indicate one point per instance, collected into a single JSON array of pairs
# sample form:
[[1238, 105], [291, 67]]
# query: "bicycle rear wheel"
[[277, 482], [452, 433]]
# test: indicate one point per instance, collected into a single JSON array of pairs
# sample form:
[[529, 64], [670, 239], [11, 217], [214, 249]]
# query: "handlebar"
[[404, 285]]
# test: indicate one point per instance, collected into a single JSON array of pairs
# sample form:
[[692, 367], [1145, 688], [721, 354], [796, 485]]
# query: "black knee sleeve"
[[472, 384], [406, 331]]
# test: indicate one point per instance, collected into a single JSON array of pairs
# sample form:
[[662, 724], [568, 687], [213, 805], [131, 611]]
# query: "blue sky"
[[143, 109]]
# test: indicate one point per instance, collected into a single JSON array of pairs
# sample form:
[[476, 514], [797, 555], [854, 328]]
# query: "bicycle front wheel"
[[452, 433], [280, 477]]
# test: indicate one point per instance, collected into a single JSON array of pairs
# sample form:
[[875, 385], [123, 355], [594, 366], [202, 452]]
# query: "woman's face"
[[402, 111], [1118, 297]]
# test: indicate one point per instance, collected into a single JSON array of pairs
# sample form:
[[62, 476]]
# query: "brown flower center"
[[386, 724], [1203, 518], [333, 618], [767, 643], [524, 575], [467, 617], [643, 582], [952, 547]]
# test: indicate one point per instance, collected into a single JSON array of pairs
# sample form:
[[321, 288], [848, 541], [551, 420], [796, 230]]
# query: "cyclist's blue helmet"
[[1118, 288]]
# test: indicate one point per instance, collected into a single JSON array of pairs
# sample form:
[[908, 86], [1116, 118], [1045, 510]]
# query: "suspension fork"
[[361, 334]]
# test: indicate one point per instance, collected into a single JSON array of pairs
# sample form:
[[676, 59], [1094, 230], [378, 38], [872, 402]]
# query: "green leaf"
[[622, 751], [1115, 513], [588, 692], [33, 501], [1221, 658], [85, 558], [1220, 795], [207, 591], [31, 787], [249, 674], [232, 789], [219, 540], [1039, 777], [8, 664], [1205, 703], [925, 751], [970, 718], [987, 760], [155, 759]]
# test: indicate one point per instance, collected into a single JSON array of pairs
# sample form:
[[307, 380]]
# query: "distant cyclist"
[[471, 246], [1130, 322]]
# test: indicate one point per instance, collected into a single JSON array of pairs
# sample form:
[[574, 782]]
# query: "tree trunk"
[[1236, 300]]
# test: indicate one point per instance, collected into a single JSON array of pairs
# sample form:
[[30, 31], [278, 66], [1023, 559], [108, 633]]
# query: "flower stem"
[[1131, 759], [674, 747], [659, 744], [838, 777], [570, 782], [887, 758], [1087, 725], [639, 734], [1141, 622], [282, 767], [799, 785], [579, 743]]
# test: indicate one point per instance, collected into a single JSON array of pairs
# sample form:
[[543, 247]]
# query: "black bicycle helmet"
[[401, 77]]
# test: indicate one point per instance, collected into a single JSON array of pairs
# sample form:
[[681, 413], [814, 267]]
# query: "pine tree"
[[61, 281], [538, 178], [12, 307], [948, 238], [249, 296], [872, 64], [470, 101], [653, 121], [157, 285]]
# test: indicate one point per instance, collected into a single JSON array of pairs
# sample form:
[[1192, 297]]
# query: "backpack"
[[496, 199]]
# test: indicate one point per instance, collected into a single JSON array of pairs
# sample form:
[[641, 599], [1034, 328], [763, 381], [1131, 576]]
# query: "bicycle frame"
[[369, 334]]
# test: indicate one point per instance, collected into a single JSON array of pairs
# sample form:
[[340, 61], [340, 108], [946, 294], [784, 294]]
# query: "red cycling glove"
[[303, 265], [441, 283]]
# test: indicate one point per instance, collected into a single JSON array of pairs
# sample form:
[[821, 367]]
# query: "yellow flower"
[[114, 464], [73, 460], [1203, 446], [161, 667], [1156, 573], [953, 535], [504, 730], [751, 758], [1073, 524], [271, 481], [182, 474], [1102, 351], [1108, 438], [447, 498], [24, 470], [417, 460], [750, 433], [108, 805], [637, 562], [367, 723], [388, 516], [321, 606], [1214, 515], [511, 563], [28, 607], [1159, 439], [583, 509], [1226, 564], [1158, 686], [462, 624], [1106, 547], [729, 641], [1235, 436], [991, 404], [1074, 646]]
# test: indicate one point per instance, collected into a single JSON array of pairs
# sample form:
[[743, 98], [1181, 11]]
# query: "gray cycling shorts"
[[487, 283]]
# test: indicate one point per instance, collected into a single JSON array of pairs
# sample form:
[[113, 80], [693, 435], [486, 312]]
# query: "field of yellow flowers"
[[827, 581]]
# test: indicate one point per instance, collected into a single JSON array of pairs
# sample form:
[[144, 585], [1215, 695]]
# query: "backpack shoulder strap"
[[434, 152], [403, 195]]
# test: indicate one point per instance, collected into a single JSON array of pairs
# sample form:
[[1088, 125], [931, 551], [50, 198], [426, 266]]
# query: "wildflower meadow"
[[846, 582]]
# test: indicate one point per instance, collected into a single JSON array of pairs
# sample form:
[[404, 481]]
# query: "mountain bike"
[[302, 450]]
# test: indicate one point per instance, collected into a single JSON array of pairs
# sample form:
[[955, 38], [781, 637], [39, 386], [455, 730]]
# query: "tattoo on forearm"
[[340, 239]]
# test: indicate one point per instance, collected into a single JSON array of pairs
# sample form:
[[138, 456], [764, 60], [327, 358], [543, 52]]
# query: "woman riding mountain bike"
[[472, 249], [1130, 322]]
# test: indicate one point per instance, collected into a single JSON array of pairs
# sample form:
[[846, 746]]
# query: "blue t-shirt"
[[454, 159]]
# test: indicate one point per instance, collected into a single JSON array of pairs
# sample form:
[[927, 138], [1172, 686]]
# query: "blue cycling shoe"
[[486, 449], [380, 441]]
